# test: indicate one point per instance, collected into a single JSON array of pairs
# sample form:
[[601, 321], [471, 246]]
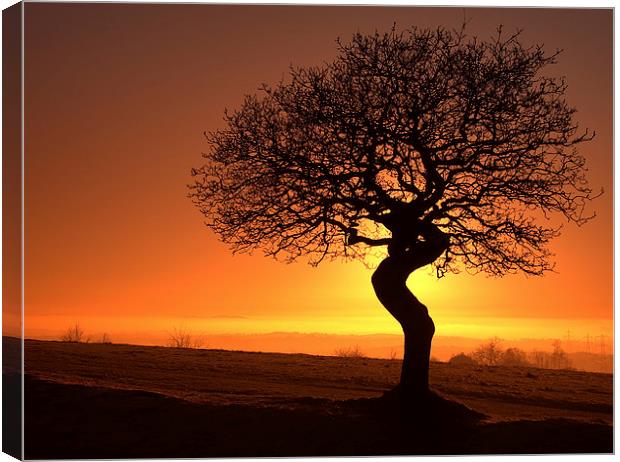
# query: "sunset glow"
[[117, 99]]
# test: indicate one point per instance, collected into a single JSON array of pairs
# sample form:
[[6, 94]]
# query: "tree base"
[[428, 406]]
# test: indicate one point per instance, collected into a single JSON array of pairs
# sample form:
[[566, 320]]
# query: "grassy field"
[[105, 400]]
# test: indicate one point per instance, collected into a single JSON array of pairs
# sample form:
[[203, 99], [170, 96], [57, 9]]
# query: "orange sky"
[[116, 100]]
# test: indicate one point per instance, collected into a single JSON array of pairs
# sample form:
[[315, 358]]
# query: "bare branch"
[[404, 137]]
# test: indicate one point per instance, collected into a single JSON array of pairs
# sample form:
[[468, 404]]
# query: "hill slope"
[[135, 401]]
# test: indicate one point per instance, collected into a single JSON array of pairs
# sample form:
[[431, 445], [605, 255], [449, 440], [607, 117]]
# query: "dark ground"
[[11, 398], [74, 421], [74, 410]]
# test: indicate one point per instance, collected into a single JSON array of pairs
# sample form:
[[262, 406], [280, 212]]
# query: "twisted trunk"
[[390, 284]]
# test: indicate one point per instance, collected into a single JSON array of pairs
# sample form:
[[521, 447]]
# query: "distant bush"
[[514, 357], [462, 360], [74, 334], [181, 338], [105, 338], [353, 352]]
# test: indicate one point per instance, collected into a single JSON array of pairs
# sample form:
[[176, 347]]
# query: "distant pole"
[[588, 342], [567, 340]]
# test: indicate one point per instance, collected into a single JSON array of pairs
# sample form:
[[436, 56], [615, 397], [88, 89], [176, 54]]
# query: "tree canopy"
[[405, 135]]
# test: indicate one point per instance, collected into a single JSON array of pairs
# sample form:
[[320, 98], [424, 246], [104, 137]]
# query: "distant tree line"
[[75, 334], [492, 353], [178, 338]]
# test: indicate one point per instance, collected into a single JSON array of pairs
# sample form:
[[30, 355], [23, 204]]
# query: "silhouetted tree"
[[74, 334], [428, 146], [559, 360], [182, 338], [540, 359], [490, 353]]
